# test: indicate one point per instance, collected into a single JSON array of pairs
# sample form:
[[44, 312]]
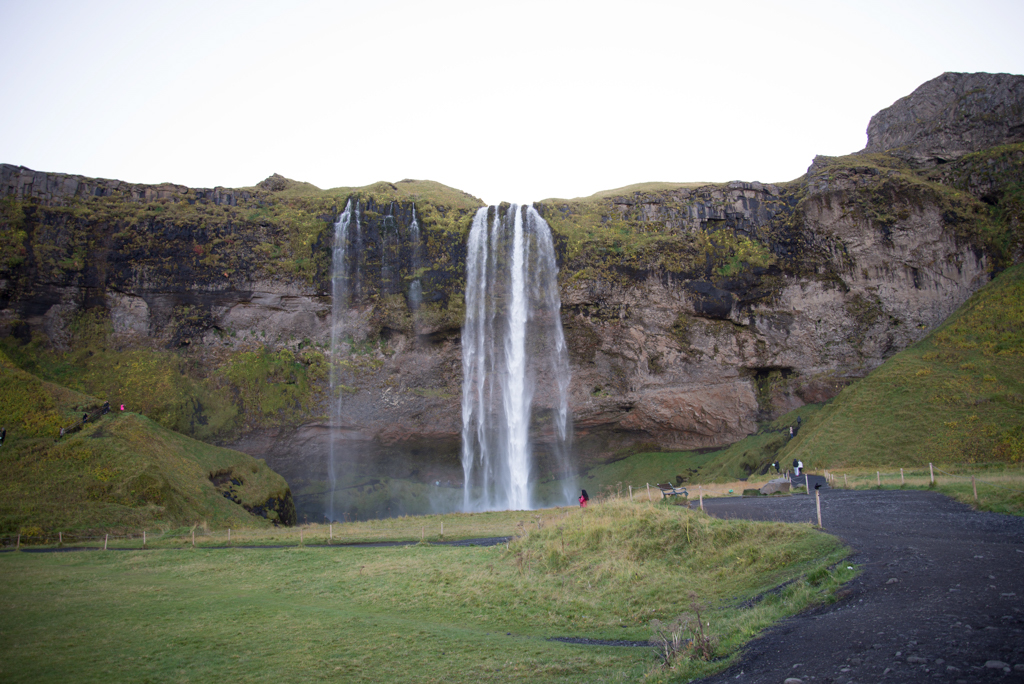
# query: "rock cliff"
[[690, 311]]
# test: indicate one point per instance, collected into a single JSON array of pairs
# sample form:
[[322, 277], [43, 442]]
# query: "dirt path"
[[940, 598]]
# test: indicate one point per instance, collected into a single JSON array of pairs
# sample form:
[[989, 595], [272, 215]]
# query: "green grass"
[[651, 187], [420, 613], [1000, 487], [116, 471], [955, 397]]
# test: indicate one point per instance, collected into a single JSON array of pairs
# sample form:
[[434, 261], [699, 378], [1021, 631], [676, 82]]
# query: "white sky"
[[507, 101]]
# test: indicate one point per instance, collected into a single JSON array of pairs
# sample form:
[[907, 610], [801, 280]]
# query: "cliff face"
[[690, 312], [951, 116]]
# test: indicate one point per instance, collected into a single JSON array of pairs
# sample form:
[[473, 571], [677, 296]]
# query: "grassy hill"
[[956, 397], [118, 470]]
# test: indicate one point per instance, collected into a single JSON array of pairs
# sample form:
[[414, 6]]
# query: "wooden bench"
[[668, 490]]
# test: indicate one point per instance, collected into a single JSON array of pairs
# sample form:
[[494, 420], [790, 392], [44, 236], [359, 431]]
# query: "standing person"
[[776, 466], [791, 432], [796, 467], [122, 407], [584, 498]]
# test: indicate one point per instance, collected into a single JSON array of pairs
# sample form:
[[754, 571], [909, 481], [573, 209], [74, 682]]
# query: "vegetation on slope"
[[421, 613], [956, 396], [211, 397], [117, 470]]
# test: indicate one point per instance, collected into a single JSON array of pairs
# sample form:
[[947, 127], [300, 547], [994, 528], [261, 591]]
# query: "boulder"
[[780, 484]]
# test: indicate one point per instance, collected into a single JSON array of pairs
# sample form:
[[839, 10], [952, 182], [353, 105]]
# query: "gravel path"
[[940, 597]]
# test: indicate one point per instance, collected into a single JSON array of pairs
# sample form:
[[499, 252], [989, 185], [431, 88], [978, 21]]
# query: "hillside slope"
[[958, 395], [118, 470]]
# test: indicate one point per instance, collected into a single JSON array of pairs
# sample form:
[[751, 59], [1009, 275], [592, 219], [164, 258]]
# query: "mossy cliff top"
[[219, 236]]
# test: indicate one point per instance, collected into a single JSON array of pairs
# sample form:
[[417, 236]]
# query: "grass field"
[[1000, 488], [419, 613]]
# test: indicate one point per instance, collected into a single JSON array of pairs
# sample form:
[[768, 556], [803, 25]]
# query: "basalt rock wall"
[[691, 312]]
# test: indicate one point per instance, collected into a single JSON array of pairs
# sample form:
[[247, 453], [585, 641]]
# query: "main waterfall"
[[341, 293], [512, 347]]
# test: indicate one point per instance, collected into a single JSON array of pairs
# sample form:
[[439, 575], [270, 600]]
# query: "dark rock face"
[[949, 117], [690, 312]]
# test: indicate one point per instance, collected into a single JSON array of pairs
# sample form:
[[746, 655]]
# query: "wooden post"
[[193, 537], [302, 536], [60, 536], [18, 545], [630, 493], [817, 503], [649, 493], [902, 481], [878, 478], [105, 538], [807, 483], [700, 490], [332, 531], [143, 538], [442, 529], [975, 486], [229, 535], [931, 470], [846, 483], [423, 532]]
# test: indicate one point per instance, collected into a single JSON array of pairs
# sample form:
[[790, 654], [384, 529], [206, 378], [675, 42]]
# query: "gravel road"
[[940, 597]]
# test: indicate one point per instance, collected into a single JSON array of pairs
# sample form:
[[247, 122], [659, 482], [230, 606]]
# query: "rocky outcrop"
[[950, 116], [23, 184], [690, 313]]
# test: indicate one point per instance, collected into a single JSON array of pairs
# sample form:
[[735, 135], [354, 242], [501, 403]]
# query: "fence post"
[[807, 483], [229, 535], [700, 490], [902, 481], [302, 536], [630, 493], [817, 503], [331, 526], [931, 471], [143, 538], [60, 538], [105, 538], [18, 545], [975, 486], [878, 478], [846, 484], [649, 493], [193, 537], [442, 529]]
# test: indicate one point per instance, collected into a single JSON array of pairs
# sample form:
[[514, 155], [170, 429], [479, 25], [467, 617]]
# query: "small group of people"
[[798, 465], [793, 430]]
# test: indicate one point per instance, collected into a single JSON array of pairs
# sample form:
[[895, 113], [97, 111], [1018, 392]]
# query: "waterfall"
[[415, 288], [512, 346], [341, 293]]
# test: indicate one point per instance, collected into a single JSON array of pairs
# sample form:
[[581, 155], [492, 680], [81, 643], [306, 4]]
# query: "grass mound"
[[119, 470]]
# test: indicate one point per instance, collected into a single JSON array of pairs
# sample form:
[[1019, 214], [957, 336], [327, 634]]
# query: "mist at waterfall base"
[[515, 446]]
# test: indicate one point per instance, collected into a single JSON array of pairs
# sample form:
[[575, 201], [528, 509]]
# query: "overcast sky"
[[507, 101]]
